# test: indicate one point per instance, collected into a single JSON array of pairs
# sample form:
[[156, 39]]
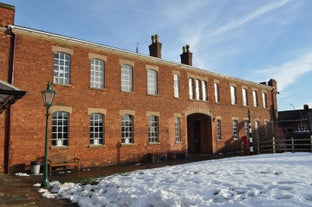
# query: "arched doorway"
[[199, 134]]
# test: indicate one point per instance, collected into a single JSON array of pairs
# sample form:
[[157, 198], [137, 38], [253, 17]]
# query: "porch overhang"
[[8, 95]]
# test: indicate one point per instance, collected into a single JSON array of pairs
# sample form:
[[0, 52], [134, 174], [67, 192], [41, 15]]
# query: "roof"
[[113, 49], [9, 94], [293, 115]]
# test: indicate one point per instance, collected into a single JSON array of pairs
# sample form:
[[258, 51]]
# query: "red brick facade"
[[33, 67]]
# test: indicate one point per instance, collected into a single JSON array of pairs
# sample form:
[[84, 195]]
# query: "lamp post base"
[[45, 184]]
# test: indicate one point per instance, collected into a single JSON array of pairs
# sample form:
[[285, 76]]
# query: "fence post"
[[311, 142], [292, 144], [273, 144], [258, 145]]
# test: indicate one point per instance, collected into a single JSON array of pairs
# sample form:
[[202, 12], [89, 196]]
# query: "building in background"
[[114, 106], [295, 121]]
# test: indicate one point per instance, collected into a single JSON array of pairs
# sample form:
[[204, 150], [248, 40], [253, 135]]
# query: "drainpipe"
[[8, 113]]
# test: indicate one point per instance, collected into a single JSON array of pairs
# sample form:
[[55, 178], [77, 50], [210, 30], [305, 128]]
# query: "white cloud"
[[249, 17], [288, 72]]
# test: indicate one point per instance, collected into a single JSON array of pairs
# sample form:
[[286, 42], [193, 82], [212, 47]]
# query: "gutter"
[[8, 111]]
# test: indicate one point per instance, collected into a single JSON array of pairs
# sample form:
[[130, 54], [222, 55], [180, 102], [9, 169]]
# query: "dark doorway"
[[199, 134], [197, 137]]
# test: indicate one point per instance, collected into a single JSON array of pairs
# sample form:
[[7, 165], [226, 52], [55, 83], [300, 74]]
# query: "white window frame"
[[197, 89], [204, 90], [191, 88], [152, 82], [177, 124], [255, 98], [126, 78], [62, 63], [217, 92], [96, 129], [233, 95], [127, 129], [176, 85], [264, 100], [97, 73], [218, 123], [235, 129], [60, 128], [153, 129], [245, 96]]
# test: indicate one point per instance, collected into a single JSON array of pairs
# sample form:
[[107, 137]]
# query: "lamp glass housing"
[[48, 96]]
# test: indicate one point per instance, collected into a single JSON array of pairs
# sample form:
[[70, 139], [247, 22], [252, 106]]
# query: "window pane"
[[96, 128], [245, 97], [233, 95], [153, 129], [97, 73], [127, 129], [126, 78], [204, 91], [61, 68], [176, 86], [191, 88], [60, 128], [255, 98], [235, 129], [217, 95], [177, 129], [264, 100], [197, 89], [219, 129], [151, 82]]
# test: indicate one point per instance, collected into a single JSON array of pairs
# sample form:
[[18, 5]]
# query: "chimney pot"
[[187, 48], [155, 47], [186, 56]]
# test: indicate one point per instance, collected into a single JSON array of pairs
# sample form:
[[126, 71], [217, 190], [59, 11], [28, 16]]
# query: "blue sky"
[[249, 39]]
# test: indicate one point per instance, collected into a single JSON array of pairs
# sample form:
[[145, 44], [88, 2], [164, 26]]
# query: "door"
[[197, 137]]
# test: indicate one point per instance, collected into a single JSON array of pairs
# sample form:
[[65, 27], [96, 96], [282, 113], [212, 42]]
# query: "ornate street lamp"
[[48, 96]]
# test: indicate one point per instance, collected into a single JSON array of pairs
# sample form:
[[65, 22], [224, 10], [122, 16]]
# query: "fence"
[[291, 144]]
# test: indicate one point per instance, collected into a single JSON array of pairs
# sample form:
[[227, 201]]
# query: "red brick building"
[[113, 106]]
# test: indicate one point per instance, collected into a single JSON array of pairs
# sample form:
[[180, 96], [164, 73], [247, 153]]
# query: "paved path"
[[19, 191]]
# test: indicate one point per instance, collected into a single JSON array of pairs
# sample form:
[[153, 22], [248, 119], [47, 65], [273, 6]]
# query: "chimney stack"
[[7, 13], [186, 56], [155, 47]]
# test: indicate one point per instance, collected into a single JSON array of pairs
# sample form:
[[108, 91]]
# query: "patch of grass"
[[86, 181]]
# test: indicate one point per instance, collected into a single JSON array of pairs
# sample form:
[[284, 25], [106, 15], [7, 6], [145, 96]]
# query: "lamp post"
[[48, 96]]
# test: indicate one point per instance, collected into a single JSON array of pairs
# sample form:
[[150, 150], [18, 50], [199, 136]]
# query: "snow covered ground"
[[260, 180]]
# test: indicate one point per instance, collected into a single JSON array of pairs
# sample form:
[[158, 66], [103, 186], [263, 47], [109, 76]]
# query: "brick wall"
[[34, 68]]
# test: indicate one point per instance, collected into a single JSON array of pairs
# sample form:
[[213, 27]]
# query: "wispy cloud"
[[288, 72], [249, 17]]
